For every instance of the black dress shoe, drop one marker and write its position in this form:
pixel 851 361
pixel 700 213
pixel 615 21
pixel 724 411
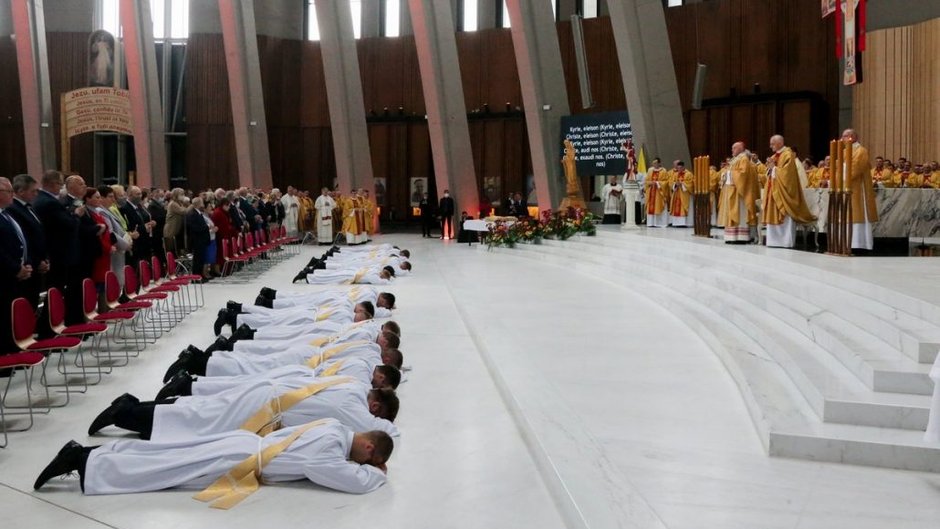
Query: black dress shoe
pixel 219 344
pixel 301 276
pixel 269 293
pixel 180 364
pixel 69 459
pixel 106 418
pixel 262 301
pixel 243 332
pixel 234 307
pixel 181 385
pixel 220 321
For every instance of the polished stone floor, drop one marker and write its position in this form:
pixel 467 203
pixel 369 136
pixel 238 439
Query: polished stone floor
pixel 538 398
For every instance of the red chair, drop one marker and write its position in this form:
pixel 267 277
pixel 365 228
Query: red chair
pixel 23 361
pixel 157 318
pixel 24 327
pixel 56 310
pixel 230 259
pixel 186 283
pixel 118 319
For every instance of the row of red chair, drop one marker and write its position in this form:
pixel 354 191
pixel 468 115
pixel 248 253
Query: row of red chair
pixel 253 252
pixel 154 303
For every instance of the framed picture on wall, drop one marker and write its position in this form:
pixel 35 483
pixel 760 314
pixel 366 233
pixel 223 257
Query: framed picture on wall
pixel 419 186
pixel 379 191
pixel 530 196
pixel 493 189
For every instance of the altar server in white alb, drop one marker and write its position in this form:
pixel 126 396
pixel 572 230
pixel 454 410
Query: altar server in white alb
pixel 324 206
pixel 256 406
pixel 612 195
pixel 324 452
pixel 864 208
pixel 784 203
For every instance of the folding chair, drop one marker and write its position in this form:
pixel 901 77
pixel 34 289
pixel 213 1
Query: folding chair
pixel 56 309
pixel 172 273
pixel 24 326
pixel 117 318
pixel 9 364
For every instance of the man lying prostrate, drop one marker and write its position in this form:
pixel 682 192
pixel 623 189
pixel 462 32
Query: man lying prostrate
pixel 352 276
pixel 364 370
pixel 324 452
pixel 280 338
pixel 384 302
pixel 259 407
pixel 339 311
pixel 226 363
pixel 402 268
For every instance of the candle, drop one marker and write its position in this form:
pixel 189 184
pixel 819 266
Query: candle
pixel 848 165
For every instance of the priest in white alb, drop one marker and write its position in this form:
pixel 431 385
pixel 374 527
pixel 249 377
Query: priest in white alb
pixel 612 195
pixel 291 211
pixel 324 207
pixel 324 452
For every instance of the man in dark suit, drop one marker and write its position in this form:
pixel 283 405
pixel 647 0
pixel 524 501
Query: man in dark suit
pixel 252 217
pixel 239 221
pixel 197 230
pixel 14 263
pixel 157 212
pixel 25 189
pixel 427 215
pixel 66 235
pixel 138 219
pixel 446 209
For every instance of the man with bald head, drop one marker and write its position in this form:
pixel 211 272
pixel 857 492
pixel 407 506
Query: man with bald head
pixel 864 211
pixel 81 249
pixel 739 194
pixel 784 203
pixel 139 221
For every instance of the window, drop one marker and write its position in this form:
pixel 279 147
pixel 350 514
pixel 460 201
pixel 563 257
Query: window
pixel 313 29
pixel 505 17
pixel 356 7
pixel 469 15
pixel 109 18
pixel 589 8
pixel 674 3
pixel 392 18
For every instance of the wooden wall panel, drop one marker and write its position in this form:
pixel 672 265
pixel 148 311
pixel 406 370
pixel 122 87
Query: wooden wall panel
pixel 67 71
pixel 12 146
pixel 785 47
pixel 897 107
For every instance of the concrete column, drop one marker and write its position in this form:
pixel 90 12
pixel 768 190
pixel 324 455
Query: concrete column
pixel 406 28
pixel 372 19
pixel 344 96
pixel 436 42
pixel 70 15
pixel 143 83
pixel 544 96
pixel 486 13
pixel 244 80
pixel 649 79
pixel 280 18
pixel 33 69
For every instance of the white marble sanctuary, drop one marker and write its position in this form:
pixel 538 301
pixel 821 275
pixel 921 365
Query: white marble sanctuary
pixel 901 212
pixel 629 380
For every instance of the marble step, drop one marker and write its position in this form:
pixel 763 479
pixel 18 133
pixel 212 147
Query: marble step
pixel 872 361
pixel 831 390
pixel 784 422
pixel 858 445
pixel 919 339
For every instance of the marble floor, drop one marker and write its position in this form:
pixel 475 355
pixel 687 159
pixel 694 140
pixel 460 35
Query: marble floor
pixel 538 398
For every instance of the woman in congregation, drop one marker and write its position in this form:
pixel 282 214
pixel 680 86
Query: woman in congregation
pixel 102 264
pixel 223 223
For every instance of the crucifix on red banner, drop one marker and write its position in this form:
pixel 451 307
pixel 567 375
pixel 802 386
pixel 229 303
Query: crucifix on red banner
pixel 850 22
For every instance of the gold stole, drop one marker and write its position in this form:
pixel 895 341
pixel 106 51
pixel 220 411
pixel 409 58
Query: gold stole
pixel 316 360
pixel 323 315
pixel 242 481
pixel 354 293
pixel 320 342
pixel 357 277
pixel 266 420
pixel 333 369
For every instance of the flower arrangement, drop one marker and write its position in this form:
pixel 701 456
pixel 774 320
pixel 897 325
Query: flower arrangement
pixel 559 225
